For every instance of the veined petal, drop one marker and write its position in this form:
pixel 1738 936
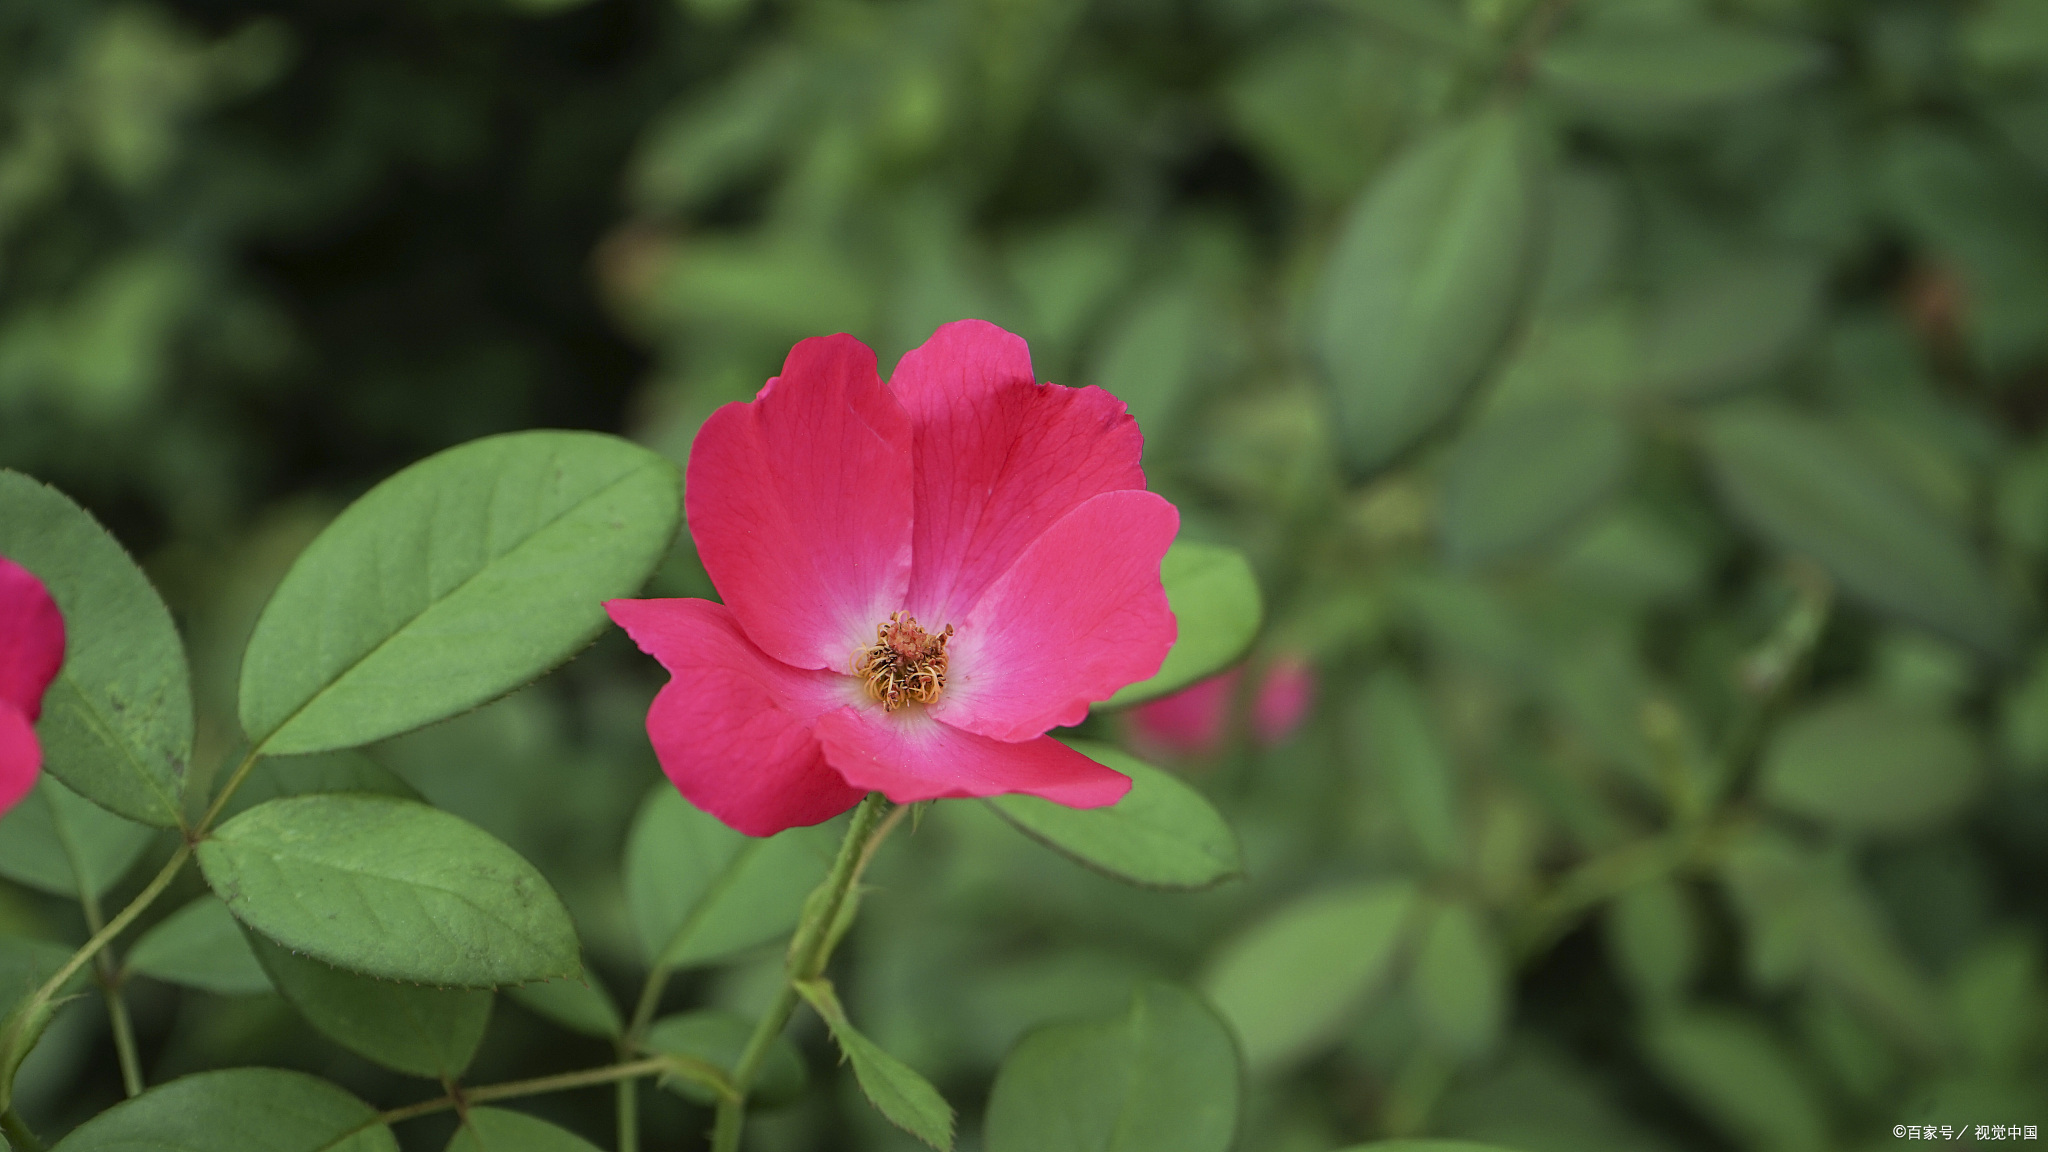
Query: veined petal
pixel 909 756
pixel 1000 458
pixel 732 728
pixel 800 504
pixel 31 640
pixel 1079 615
pixel 20 756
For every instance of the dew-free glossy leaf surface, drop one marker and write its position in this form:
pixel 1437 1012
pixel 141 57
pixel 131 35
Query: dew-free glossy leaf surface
pixel 1811 489
pixel 898 1092
pixel 63 844
pixel 1161 1076
pixel 1162 834
pixel 1867 764
pixel 499 1130
pixel 430 1032
pixel 1216 605
pixel 718 1038
pixel 1289 983
pixel 236 1110
pixel 200 946
pixel 700 892
pixel 117 722
pixel 578 1004
pixel 454 582
pixel 392 889
pixel 1425 284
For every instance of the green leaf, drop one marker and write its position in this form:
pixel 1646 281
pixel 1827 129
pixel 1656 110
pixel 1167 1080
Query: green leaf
pixel 1161 1076
pixel 1872 765
pixel 578 1004
pixel 430 1032
pixel 907 1099
pixel 1290 983
pixel 1402 744
pixel 26 962
pixel 1162 834
pixel 200 946
pixel 1729 326
pixel 1740 1077
pixel 1215 601
pixel 1653 935
pixel 20 1029
pixel 117 722
pixel 718 1038
pixel 392 889
pixel 63 844
pixel 345 771
pixel 497 1130
pixel 236 1110
pixel 1459 982
pixel 700 892
pixel 1519 478
pixel 1426 282
pixel 1809 488
pixel 452 583
pixel 1671 67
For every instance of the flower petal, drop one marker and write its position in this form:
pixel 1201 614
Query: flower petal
pixel 1190 721
pixel 732 728
pixel 1000 458
pixel 799 501
pixel 1081 614
pixel 20 757
pixel 31 640
pixel 909 756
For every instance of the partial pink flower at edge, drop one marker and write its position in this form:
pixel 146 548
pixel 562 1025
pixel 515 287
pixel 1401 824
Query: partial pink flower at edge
pixel 31 652
pixel 919 580
pixel 1191 722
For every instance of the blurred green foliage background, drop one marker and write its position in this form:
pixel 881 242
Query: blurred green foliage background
pixel 1678 774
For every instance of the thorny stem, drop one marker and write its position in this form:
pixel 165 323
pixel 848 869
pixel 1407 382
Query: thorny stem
pixel 809 951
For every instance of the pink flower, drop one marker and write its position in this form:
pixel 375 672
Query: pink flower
pixel 31 652
pixel 1190 722
pixel 919 580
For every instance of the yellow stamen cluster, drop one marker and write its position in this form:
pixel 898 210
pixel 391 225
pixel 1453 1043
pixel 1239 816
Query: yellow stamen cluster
pixel 905 663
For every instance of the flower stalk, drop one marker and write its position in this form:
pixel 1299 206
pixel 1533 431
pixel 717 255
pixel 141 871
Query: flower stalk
pixel 810 949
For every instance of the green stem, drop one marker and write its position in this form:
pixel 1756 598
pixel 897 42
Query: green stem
pixel 810 949
pixel 28 1009
pixel 629 1112
pixel 17 1133
pixel 227 791
pixel 562 1082
pixel 110 981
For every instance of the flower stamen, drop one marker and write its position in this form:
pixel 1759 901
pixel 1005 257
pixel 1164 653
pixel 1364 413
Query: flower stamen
pixel 904 664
